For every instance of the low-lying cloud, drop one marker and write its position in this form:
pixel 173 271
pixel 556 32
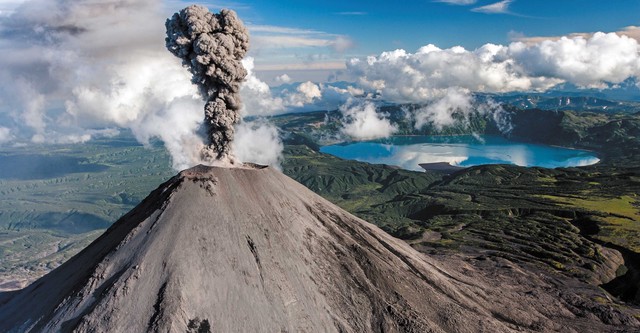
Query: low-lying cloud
pixel 441 111
pixel 455 108
pixel 362 121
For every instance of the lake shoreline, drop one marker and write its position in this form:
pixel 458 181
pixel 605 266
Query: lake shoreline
pixel 447 152
pixel 445 167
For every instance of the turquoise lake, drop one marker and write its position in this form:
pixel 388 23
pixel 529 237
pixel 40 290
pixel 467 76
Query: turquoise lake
pixel 408 152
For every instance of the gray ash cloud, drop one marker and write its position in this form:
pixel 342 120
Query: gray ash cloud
pixel 212 46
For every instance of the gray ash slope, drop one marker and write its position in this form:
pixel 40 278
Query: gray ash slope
pixel 251 250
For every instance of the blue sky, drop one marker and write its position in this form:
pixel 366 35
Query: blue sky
pixel 72 70
pixel 371 27
pixel 313 39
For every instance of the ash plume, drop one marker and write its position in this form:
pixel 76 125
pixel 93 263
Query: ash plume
pixel 212 47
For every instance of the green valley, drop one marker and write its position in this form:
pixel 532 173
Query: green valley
pixel 567 221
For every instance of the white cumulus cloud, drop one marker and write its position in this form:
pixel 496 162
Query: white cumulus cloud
pixel 428 73
pixel 588 62
pixel 362 121
pixel 5 135
pixel 259 100
pixel 284 78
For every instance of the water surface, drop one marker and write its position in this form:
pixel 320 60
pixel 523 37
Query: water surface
pixel 408 152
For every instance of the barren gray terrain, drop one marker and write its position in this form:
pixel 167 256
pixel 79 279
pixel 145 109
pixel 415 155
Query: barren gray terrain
pixel 251 250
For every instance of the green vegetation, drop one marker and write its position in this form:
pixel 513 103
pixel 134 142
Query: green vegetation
pixel 56 199
pixel 617 218
pixel 356 186
pixel 556 218
pixel 553 217
pixel 502 209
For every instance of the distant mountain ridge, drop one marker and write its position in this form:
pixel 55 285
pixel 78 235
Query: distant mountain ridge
pixel 566 102
pixel 623 97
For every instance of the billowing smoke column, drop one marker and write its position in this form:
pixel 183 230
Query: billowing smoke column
pixel 212 47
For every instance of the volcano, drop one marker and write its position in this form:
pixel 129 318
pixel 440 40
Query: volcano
pixel 251 250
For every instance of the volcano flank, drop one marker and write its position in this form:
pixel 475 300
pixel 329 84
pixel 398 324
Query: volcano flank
pixel 251 250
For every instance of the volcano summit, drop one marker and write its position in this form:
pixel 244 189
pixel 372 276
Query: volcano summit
pixel 250 250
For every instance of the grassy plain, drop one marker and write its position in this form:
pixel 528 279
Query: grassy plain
pixel 55 199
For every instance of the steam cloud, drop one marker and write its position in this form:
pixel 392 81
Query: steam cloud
pixel 212 47
pixel 73 70
pixel 80 69
pixel 259 142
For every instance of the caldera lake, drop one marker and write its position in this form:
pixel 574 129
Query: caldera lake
pixel 408 152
